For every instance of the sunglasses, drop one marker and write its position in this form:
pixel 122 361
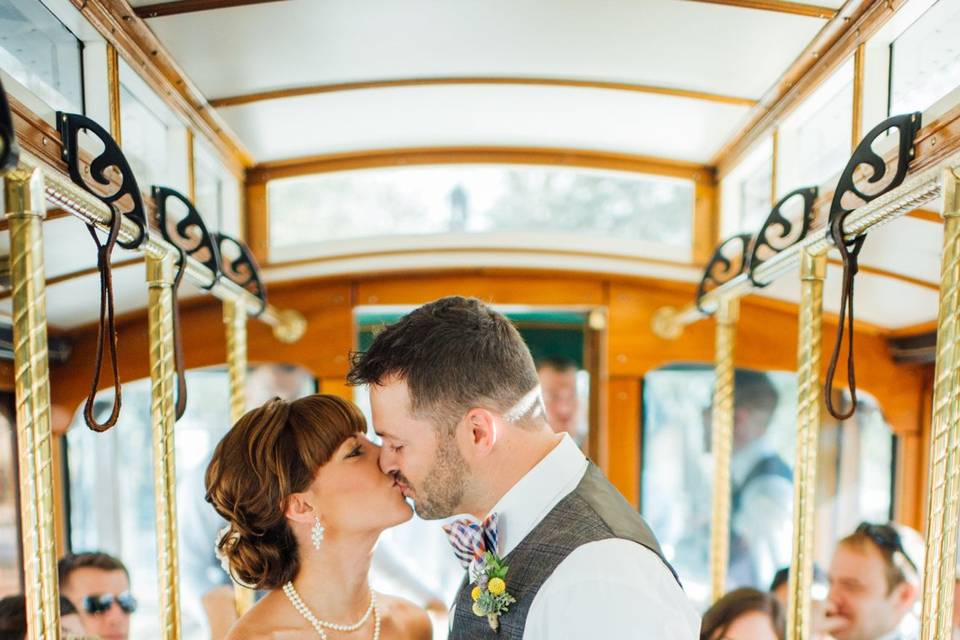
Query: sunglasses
pixel 886 537
pixel 97 604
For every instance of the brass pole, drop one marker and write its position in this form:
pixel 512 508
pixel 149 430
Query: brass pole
pixel 235 323
pixel 944 475
pixel 113 91
pixel 162 415
pixel 813 270
pixel 26 207
pixel 722 437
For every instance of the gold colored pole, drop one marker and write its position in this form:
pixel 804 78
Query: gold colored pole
pixel 113 91
pixel 813 271
pixel 25 200
pixel 722 435
pixel 944 476
pixel 162 414
pixel 235 323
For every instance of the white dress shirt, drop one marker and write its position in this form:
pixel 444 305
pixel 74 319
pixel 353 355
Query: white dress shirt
pixel 607 589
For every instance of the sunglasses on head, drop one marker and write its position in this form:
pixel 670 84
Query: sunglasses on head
pixel 97 604
pixel 886 537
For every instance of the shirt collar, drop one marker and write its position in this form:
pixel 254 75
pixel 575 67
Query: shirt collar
pixel 531 499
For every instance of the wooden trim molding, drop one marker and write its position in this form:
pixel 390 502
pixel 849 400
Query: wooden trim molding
pixel 858 71
pixel 853 24
pixel 119 25
pixel 375 158
pixel 113 93
pixel 177 7
pixel 279 94
pixel 779 6
pixel 926 214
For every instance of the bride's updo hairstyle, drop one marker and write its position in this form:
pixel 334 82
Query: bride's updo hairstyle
pixel 270 453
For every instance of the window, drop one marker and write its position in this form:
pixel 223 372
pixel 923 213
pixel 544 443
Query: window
pixel 549 202
pixel 854 468
pixel 111 486
pixel 10 568
pixel 925 59
pixel 745 192
pixel 815 140
pixel 41 54
pixel 153 140
pixel 216 191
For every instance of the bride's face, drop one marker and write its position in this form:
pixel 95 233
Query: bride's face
pixel 352 494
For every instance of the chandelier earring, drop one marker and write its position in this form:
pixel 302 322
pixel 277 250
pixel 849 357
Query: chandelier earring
pixel 316 533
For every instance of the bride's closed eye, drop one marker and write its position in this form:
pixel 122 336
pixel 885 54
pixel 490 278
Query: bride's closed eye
pixel 356 451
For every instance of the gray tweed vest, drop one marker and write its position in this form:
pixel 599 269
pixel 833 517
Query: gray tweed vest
pixel 594 511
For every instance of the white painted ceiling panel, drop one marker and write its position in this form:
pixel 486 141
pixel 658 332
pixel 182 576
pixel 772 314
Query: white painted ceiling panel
pixel 907 246
pixel 645 124
pixel 686 45
pixel 880 300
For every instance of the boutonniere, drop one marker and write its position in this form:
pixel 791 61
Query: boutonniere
pixel 488 575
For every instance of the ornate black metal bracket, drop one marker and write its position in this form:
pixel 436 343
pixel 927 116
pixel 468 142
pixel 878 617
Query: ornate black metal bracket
pixel 9 149
pixel 189 232
pixel 241 270
pixel 69 125
pixel 729 260
pixel 780 232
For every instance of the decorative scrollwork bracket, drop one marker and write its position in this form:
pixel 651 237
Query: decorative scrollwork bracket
pixel 9 149
pixel 846 198
pixel 780 232
pixel 189 232
pixel 124 199
pixel 729 260
pixel 240 267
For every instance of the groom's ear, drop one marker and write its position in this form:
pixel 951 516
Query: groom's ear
pixel 298 509
pixel 482 428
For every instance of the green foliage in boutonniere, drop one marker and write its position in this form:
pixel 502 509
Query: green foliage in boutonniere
pixel 490 597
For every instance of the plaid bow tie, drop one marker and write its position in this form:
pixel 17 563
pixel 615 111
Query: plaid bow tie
pixel 470 539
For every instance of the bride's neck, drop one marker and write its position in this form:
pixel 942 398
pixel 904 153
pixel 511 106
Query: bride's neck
pixel 332 581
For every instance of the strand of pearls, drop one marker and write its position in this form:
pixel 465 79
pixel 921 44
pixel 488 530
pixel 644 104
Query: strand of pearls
pixel 319 625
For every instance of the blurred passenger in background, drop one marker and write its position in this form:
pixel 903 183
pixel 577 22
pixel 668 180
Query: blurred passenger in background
pixel 13 619
pixel 558 382
pixel 744 614
pixel 98 585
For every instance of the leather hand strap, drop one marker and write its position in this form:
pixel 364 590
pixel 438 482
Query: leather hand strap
pixel 181 406
pixel 106 330
pixel 849 254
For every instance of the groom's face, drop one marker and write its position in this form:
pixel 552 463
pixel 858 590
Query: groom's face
pixel 425 461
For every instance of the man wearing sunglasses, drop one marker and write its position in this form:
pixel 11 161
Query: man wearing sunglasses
pixel 98 585
pixel 874 584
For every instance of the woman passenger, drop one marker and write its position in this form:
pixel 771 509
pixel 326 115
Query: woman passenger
pixel 744 614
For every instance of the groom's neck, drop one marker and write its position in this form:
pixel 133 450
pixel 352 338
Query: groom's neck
pixel 515 455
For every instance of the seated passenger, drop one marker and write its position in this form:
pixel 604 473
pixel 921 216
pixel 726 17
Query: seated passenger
pixel 744 614
pixel 98 585
pixel 13 619
pixel 874 583
pixel 781 583
pixel 558 383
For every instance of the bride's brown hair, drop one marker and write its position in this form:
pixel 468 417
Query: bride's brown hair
pixel 271 452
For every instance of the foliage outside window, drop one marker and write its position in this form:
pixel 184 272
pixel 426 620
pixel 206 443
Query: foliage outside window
pixel 925 59
pixel 815 140
pixel 112 495
pixel 480 199
pixel 41 54
pixel 855 463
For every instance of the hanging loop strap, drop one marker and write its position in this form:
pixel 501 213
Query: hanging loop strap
pixel 849 253
pixel 106 329
pixel 181 405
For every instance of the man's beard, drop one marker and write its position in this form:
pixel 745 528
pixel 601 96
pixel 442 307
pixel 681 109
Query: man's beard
pixel 442 490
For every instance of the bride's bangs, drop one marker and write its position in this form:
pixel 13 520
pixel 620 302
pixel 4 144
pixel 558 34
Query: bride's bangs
pixel 321 424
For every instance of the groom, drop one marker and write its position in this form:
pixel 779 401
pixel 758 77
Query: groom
pixel 455 397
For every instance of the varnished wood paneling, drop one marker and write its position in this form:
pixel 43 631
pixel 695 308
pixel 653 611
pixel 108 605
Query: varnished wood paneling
pixel 177 7
pixel 779 6
pixel 623 467
pixel 337 386
pixel 257 221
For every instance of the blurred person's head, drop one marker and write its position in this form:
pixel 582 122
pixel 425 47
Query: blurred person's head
pixel 873 582
pixel 558 383
pixel 273 380
pixel 13 618
pixel 780 584
pixel 98 585
pixel 755 400
pixel 744 614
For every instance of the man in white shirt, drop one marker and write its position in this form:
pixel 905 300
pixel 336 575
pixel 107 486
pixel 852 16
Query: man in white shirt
pixel 455 397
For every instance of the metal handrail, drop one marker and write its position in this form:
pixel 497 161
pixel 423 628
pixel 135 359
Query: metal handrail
pixel 288 325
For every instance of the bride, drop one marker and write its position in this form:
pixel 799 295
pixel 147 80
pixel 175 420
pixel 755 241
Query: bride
pixel 302 490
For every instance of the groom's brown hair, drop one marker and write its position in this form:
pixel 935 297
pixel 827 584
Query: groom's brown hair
pixel 454 353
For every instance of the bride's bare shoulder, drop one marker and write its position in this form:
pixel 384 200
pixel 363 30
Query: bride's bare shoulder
pixel 404 620
pixel 267 620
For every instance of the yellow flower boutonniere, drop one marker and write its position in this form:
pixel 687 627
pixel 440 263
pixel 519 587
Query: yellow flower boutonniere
pixel 490 598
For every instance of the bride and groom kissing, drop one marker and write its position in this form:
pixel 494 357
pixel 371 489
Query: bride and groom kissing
pixel 550 549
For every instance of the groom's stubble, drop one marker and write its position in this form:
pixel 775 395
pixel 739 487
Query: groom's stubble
pixel 444 486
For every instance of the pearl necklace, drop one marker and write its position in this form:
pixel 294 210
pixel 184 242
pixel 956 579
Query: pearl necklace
pixel 319 625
